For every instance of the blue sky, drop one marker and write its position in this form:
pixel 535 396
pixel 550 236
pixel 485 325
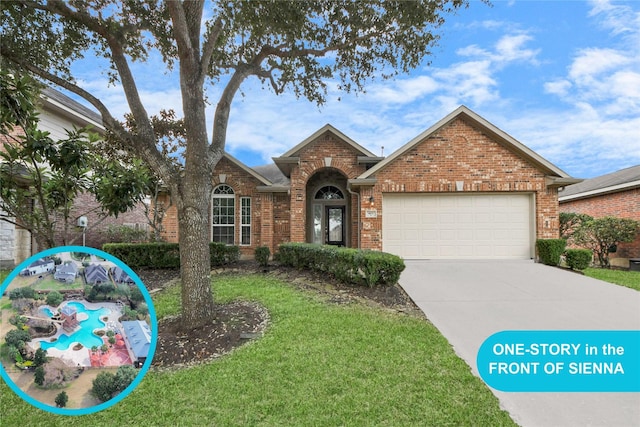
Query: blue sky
pixel 562 77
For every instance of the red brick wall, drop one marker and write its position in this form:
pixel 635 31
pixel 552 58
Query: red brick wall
pixel 281 219
pixel 460 152
pixel 244 185
pixel 86 205
pixel 624 204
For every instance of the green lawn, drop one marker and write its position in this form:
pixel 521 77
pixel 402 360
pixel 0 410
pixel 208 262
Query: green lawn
pixel 318 365
pixel 630 279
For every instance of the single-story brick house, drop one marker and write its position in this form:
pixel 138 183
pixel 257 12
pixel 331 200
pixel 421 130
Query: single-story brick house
pixel 614 194
pixel 462 189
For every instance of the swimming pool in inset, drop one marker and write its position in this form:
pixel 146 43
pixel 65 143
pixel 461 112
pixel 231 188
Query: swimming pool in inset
pixel 47 311
pixel 84 335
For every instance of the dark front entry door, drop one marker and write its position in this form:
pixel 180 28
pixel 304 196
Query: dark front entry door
pixel 335 225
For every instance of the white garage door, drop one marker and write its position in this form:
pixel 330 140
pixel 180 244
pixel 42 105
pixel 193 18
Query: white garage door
pixel 454 226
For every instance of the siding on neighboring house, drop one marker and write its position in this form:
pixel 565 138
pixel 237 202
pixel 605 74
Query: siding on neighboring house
pixel 59 113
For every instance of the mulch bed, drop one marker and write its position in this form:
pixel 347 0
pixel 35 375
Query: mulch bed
pixel 238 322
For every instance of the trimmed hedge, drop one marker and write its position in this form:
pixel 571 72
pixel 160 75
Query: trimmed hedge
pixel 351 266
pixel 550 250
pixel 166 255
pixel 578 259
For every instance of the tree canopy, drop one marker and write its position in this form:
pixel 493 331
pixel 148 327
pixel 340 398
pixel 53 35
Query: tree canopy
pixel 288 45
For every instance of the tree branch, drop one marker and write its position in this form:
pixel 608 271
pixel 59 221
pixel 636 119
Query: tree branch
pixel 209 47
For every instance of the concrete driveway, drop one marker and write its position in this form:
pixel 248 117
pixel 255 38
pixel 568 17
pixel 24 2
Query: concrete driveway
pixel 470 300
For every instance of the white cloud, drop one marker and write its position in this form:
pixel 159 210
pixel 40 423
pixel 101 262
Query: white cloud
pixel 558 87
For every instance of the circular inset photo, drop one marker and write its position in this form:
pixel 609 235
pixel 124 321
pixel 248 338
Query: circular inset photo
pixel 79 330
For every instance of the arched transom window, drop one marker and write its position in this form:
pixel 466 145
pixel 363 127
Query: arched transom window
pixel 329 192
pixel 223 214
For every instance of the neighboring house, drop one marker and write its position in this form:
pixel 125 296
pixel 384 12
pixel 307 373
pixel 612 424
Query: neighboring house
pixel 59 113
pixel 138 336
pixel 463 189
pixel 38 267
pixel 119 276
pixel 614 194
pixel 66 272
pixel 95 274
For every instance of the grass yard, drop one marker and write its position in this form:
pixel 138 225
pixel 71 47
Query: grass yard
pixel 48 283
pixel 630 279
pixel 319 364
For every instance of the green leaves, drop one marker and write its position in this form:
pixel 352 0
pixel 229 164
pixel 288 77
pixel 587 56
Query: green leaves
pixel 40 178
pixel 601 234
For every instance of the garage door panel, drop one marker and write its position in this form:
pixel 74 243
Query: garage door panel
pixel 458 226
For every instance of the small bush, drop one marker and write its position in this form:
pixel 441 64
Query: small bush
pixel 262 254
pixel 222 254
pixel 578 259
pixel 550 250
pixel 351 266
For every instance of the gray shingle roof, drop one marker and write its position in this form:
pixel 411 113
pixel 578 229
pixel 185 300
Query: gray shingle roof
pixel 624 178
pixel 71 104
pixel 273 174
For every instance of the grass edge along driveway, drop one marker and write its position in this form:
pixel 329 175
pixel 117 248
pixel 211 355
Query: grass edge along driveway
pixel 318 364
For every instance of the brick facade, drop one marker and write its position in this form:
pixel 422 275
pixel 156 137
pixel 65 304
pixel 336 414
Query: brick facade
pixel 460 152
pixel 464 148
pixel 622 204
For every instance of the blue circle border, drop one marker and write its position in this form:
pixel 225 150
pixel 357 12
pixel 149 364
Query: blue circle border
pixel 152 315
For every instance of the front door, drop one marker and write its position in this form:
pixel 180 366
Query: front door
pixel 334 226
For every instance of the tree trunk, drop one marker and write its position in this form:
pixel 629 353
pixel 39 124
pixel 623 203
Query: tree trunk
pixel 195 266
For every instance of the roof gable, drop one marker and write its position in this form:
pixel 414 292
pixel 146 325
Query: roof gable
pixel 327 128
pixel 484 126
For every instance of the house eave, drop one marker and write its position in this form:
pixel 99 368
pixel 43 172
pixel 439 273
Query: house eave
pixel 601 191
pixel 368 160
pixel 273 188
pixel 286 164
pixel 58 107
pixel 557 181
pixel 361 182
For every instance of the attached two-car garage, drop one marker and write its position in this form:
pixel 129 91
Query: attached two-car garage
pixel 458 226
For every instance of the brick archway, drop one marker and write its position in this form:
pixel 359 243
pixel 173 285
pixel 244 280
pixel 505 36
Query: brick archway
pixel 328 208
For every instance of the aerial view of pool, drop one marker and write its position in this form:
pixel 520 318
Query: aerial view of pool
pixel 84 335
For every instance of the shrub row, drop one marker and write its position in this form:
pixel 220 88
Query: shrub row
pixel 351 266
pixel 166 255
pixel 550 251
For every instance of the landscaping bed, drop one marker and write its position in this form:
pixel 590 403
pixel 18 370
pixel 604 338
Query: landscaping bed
pixel 238 322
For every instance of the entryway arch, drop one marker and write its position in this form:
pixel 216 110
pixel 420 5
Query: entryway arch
pixel 328 209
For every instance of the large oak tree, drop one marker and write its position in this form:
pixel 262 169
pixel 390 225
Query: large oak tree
pixel 288 45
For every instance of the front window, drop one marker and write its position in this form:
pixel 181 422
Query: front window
pixel 329 192
pixel 245 221
pixel 223 213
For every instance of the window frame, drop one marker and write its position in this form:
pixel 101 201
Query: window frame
pixel 227 195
